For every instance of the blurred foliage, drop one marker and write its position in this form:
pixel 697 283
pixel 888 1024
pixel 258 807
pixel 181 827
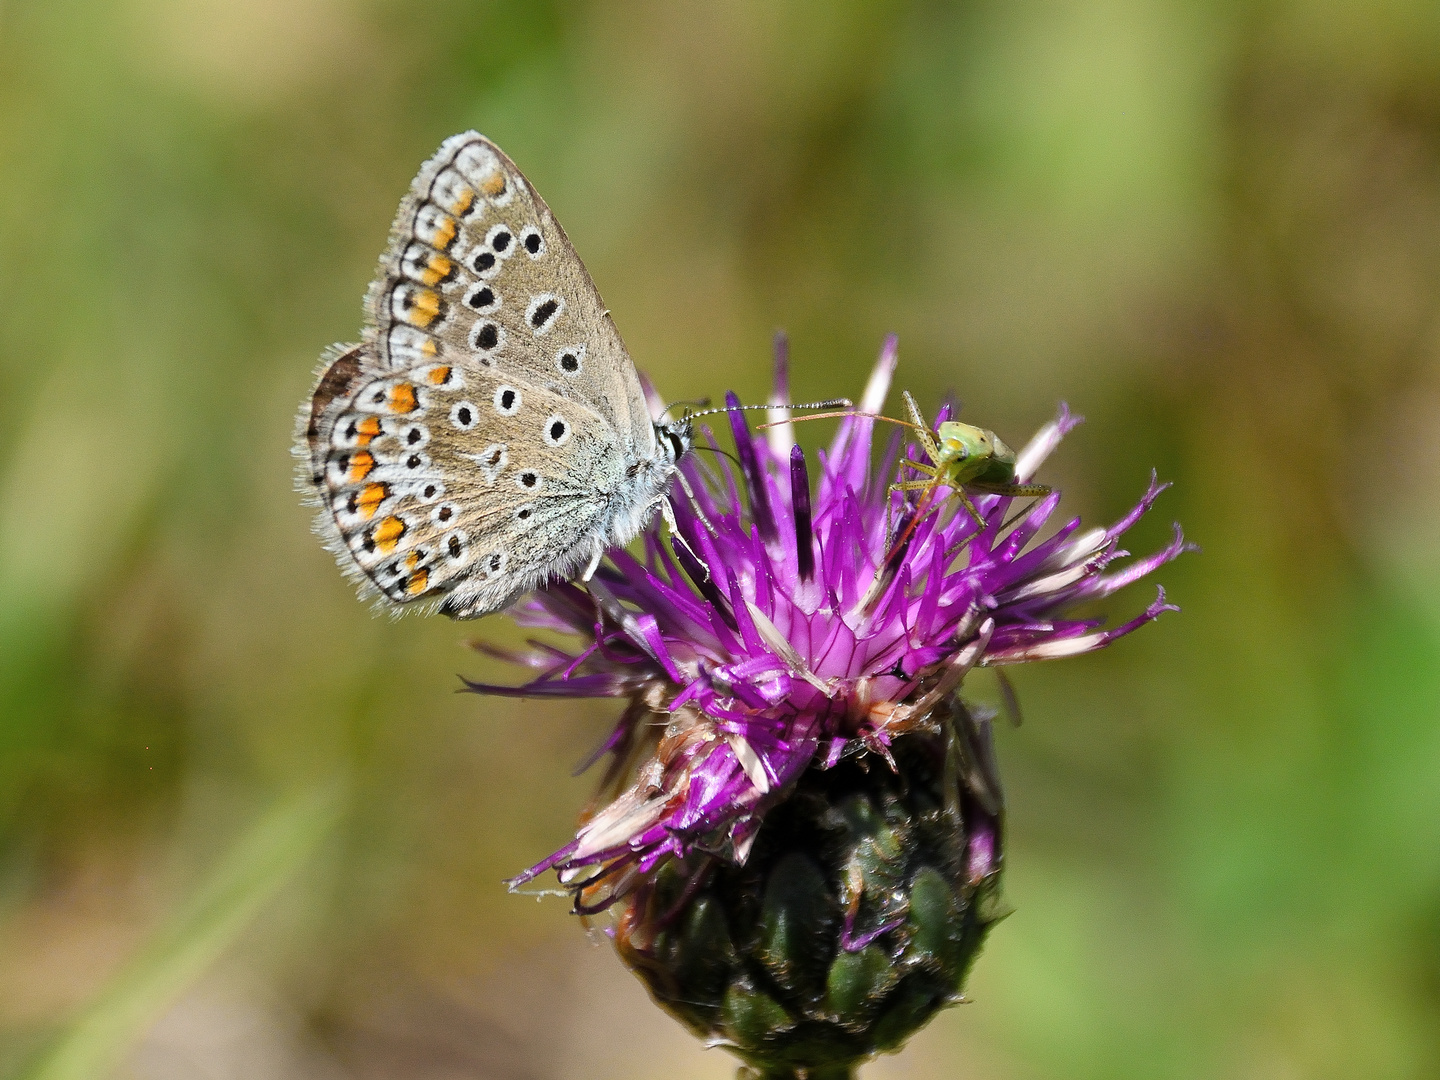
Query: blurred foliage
pixel 255 868
pixel 1214 229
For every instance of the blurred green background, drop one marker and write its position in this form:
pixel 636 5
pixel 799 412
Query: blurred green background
pixel 248 830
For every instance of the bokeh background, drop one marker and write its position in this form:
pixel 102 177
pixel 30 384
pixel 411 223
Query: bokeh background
pixel 247 829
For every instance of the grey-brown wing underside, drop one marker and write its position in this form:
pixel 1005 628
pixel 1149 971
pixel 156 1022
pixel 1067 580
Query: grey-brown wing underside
pixel 478 269
pixel 453 482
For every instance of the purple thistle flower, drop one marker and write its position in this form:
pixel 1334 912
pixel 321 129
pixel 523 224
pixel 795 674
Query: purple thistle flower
pixel 781 634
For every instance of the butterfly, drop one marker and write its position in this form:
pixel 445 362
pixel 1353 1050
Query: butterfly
pixel 489 433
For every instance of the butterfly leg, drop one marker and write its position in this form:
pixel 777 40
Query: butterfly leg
pixel 694 505
pixel 667 511
pixel 594 564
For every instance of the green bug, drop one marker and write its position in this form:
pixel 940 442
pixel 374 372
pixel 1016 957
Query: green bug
pixel 964 458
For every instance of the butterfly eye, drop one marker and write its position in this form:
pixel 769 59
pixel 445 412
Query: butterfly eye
pixel 464 415
pixel 557 430
pixel 507 401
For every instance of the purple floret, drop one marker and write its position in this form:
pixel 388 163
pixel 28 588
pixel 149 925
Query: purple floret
pixel 784 635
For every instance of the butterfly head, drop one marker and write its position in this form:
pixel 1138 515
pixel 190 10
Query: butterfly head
pixel 673 439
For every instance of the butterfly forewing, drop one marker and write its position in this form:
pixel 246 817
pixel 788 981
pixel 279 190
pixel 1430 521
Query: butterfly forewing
pixel 478 267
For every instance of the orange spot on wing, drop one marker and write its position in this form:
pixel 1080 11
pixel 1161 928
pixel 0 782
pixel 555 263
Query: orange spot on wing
pixel 370 498
pixel 461 206
pixel 360 465
pixel 366 430
pixel 424 308
pixel 444 233
pixel 437 376
pixel 493 185
pixel 402 398
pixel 415 584
pixel 437 269
pixel 388 533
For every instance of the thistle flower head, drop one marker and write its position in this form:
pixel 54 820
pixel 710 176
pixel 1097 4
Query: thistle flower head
pixel 778 632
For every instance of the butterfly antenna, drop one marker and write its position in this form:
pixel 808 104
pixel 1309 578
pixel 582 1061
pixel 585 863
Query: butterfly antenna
pixel 832 415
pixel 840 403
pixel 697 402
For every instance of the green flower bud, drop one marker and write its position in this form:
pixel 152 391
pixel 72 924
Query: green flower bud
pixel 855 918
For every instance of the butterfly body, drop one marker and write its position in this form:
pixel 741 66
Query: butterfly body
pixel 489 434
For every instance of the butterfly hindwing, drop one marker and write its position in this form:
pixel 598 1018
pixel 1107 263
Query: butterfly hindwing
pixel 452 477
